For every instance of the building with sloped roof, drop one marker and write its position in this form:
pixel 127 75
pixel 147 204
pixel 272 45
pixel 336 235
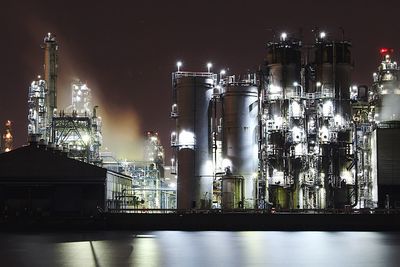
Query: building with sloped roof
pixel 39 179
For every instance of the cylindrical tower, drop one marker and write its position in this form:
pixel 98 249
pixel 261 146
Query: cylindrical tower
pixel 386 90
pixel 283 119
pixel 192 94
pixel 333 72
pixel 50 74
pixel 37 109
pixel 333 68
pixel 240 134
pixel 384 103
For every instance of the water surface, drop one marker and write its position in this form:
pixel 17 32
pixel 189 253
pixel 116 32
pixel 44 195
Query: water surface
pixel 206 248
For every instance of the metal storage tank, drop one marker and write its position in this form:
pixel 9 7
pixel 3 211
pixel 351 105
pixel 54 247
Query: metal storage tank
pixel 232 192
pixel 192 92
pixel 240 142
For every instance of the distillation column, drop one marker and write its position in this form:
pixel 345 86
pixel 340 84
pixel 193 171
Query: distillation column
pixel 240 142
pixel 334 144
pixel 283 150
pixel 50 76
pixel 192 94
pixel 37 109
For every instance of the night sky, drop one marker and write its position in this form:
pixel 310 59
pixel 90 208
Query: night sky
pixel 126 50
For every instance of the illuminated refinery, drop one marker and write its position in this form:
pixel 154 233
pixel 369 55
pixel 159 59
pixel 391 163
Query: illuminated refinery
pixel 297 134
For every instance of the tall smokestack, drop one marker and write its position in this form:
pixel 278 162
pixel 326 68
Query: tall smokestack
pixel 50 73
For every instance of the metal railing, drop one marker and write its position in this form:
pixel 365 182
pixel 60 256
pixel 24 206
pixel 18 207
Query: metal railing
pixel 257 211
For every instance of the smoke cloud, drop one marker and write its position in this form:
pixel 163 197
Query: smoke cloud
pixel 390 108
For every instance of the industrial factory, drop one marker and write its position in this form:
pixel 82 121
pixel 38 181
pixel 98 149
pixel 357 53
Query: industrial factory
pixel 296 134
pixel 64 144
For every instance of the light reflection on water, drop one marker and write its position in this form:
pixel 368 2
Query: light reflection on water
pixel 208 248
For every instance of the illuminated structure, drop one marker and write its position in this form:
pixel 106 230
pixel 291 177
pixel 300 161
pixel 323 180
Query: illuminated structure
pixel 297 136
pixel 79 130
pixel 42 96
pixel 381 142
pixel 192 92
pixel 50 67
pixel 7 137
pixel 153 150
pixel 153 186
pixel 239 116
pixel 306 149
pixel 37 109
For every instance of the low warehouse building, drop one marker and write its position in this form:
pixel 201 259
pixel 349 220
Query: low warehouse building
pixel 37 180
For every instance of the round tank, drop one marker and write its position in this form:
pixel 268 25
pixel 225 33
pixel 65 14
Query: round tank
pixel 387 89
pixel 192 93
pixel 239 142
pixel 284 65
pixel 232 192
pixel 333 72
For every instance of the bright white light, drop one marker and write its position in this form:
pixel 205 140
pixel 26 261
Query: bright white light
pixel 172 185
pixel 324 133
pixel 296 109
pixel 297 134
pixel 347 175
pixel 283 36
pixel 278 177
pixel 186 138
pixel 85 138
pixel 278 121
pixel 295 84
pixel 209 65
pixel 339 120
pixel 273 89
pixel 318 84
pixel 226 163
pixel 322 35
pixel 222 72
pixel 327 109
pixel 179 65
pixel 207 166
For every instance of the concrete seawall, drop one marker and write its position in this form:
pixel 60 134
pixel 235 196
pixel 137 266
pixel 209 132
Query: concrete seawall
pixel 241 221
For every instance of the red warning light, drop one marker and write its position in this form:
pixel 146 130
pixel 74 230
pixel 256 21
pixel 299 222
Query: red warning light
pixel 386 50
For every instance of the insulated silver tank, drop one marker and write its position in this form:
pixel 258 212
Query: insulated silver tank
pixel 192 95
pixel 239 142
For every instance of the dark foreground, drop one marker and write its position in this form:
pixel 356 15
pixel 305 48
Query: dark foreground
pixel 210 221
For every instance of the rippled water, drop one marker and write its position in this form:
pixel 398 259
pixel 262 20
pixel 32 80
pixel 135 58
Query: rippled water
pixel 208 248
